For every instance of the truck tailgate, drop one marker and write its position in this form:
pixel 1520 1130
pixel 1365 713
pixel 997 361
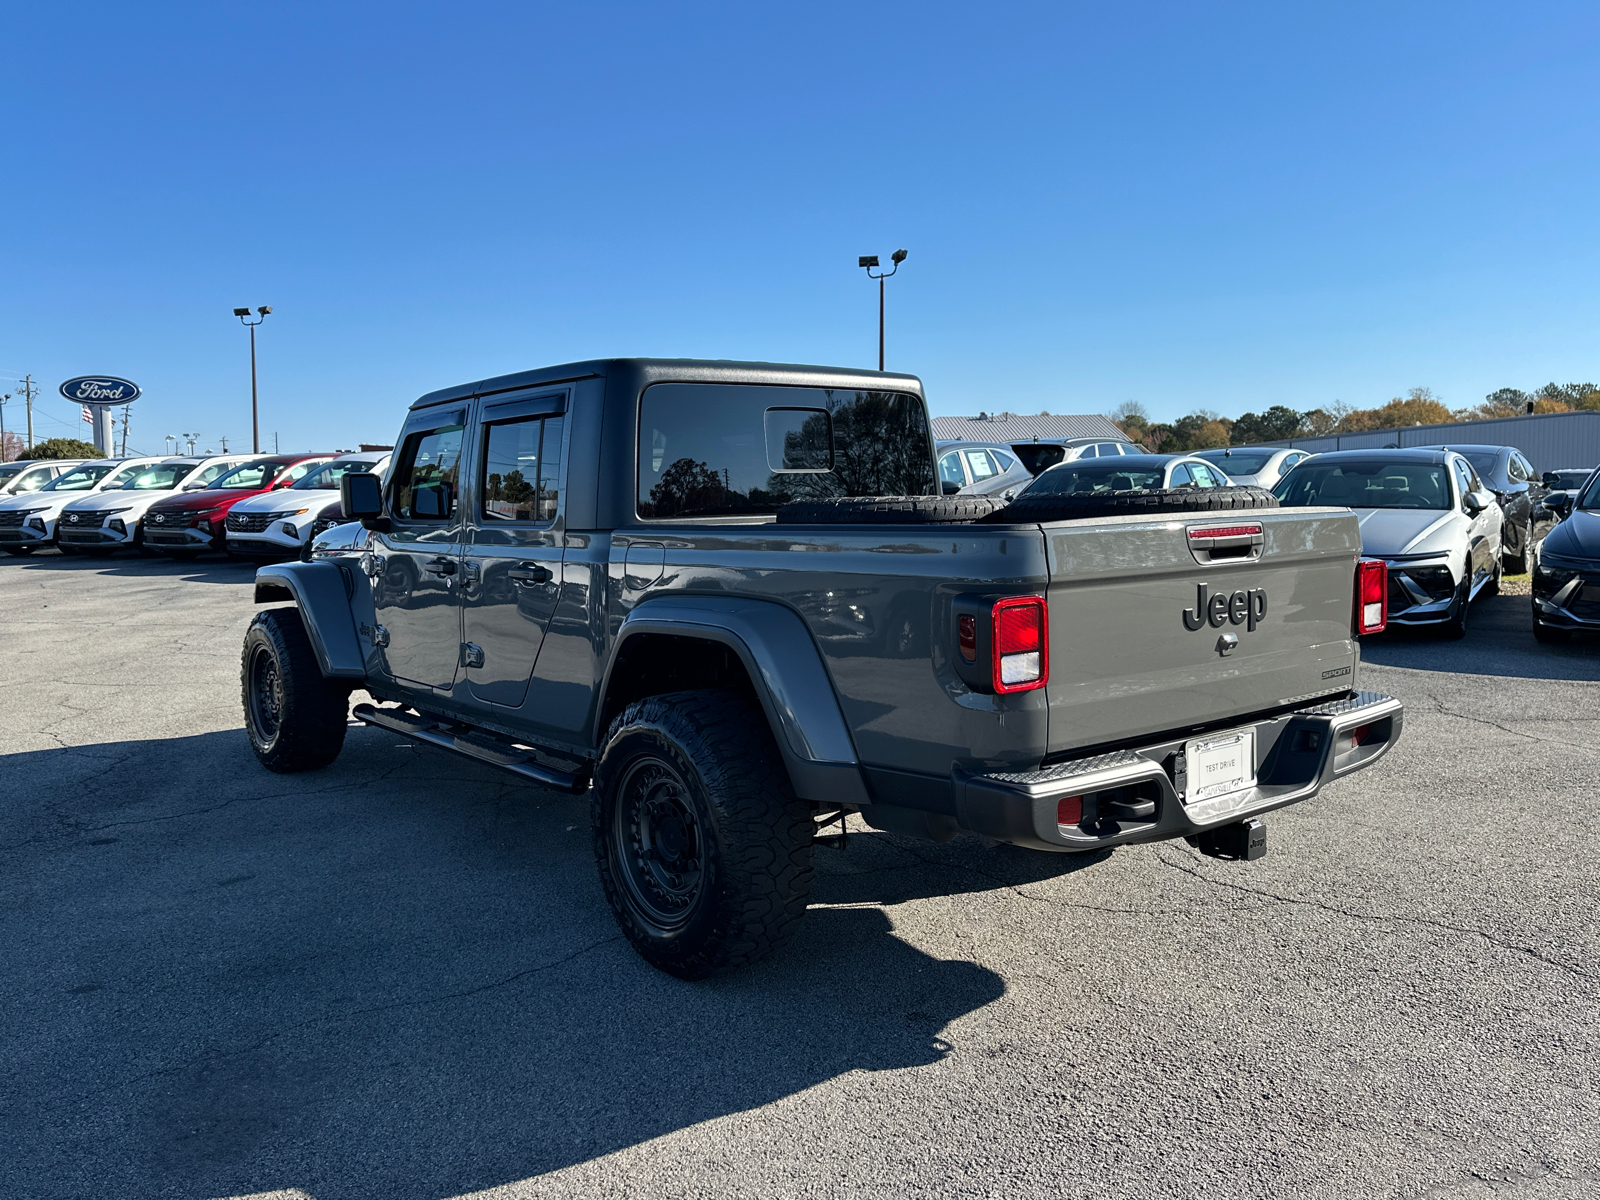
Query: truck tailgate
pixel 1131 656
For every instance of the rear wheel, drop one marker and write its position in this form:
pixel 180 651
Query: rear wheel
pixel 1517 564
pixel 704 851
pixel 294 715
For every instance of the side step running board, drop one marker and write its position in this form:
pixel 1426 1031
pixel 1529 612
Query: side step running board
pixel 424 729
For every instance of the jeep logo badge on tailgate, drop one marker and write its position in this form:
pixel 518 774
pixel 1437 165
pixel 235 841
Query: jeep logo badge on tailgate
pixel 1242 608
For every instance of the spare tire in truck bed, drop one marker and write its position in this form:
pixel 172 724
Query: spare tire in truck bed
pixel 1074 506
pixel 890 510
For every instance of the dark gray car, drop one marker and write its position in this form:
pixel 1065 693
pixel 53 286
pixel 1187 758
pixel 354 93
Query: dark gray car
pixel 725 601
pixel 1520 491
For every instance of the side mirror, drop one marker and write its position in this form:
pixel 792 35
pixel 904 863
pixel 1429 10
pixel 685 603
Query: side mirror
pixel 1476 502
pixel 1551 479
pixel 1560 503
pixel 361 498
pixel 950 489
pixel 112 487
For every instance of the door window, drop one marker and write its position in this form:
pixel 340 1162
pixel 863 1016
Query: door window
pixel 1181 476
pixel 1465 480
pixel 951 477
pixel 522 470
pixel 427 480
pixel 980 464
pixel 207 474
pixel 1204 477
pixel 299 471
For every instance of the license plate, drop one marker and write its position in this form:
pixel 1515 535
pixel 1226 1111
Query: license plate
pixel 1220 766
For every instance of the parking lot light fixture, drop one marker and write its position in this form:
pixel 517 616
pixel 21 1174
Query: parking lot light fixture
pixel 868 262
pixel 244 319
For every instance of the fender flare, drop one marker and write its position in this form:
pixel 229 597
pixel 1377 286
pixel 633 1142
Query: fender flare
pixel 323 592
pixel 787 672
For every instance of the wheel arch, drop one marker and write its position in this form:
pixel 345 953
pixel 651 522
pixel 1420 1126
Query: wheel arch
pixel 323 592
pixel 682 642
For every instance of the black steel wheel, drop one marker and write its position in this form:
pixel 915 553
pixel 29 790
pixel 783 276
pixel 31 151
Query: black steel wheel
pixel 703 849
pixel 294 716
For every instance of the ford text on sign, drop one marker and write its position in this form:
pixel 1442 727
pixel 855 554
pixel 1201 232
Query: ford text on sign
pixel 100 389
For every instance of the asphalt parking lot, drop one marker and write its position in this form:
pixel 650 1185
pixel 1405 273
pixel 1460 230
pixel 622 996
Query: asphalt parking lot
pixel 397 978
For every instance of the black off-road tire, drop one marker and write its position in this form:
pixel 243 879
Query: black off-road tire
pixel 1519 564
pixel 1037 508
pixel 890 510
pixel 704 850
pixel 294 715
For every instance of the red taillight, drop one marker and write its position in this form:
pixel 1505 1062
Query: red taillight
pixel 1224 531
pixel 1021 644
pixel 1372 595
pixel 1069 810
pixel 967 636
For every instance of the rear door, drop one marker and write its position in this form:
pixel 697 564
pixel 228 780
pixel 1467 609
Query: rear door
pixel 1155 627
pixel 512 569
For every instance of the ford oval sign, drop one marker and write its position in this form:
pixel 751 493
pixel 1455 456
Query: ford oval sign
pixel 100 389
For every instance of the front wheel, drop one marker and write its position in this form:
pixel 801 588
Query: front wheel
pixel 1456 627
pixel 704 850
pixel 294 715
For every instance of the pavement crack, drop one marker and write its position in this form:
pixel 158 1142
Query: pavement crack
pixel 1392 919
pixel 1440 707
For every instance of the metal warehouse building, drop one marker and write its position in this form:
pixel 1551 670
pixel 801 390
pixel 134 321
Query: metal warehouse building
pixel 1012 427
pixel 1550 441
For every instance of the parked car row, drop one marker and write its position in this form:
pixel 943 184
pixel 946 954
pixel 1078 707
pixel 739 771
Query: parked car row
pixel 257 506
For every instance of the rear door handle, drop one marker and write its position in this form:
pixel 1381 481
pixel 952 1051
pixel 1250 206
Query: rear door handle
pixel 440 566
pixel 529 573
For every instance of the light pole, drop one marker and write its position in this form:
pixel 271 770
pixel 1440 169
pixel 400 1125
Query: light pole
pixel 190 437
pixel 170 442
pixel 869 261
pixel 244 319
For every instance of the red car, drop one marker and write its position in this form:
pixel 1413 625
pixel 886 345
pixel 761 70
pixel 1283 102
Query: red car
pixel 191 523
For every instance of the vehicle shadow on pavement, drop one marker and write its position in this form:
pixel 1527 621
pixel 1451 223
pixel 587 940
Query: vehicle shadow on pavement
pixel 1499 641
pixel 210 569
pixel 395 977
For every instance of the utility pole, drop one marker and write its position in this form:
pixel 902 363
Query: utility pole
pixel 29 391
pixel 3 400
pixel 224 443
pixel 126 409
pixel 275 441
pixel 255 423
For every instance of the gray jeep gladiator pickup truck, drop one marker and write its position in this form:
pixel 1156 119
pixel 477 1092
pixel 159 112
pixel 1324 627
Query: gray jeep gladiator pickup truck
pixel 727 602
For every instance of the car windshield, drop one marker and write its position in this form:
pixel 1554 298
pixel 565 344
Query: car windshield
pixel 1095 475
pixel 1248 463
pixel 80 480
pixel 11 470
pixel 250 476
pixel 1570 481
pixel 1371 483
pixel 328 475
pixel 1591 496
pixel 125 476
pixel 162 478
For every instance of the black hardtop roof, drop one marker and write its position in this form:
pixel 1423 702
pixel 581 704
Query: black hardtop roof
pixel 1409 454
pixel 657 370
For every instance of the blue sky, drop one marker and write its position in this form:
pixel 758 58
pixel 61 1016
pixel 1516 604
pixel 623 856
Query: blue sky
pixel 1225 206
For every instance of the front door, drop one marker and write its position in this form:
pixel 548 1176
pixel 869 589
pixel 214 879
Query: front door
pixel 512 569
pixel 416 565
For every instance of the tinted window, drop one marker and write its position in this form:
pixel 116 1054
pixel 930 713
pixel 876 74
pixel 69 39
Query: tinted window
pixel 714 450
pixel 1369 484
pixel 1464 479
pixel 160 478
pixel 80 480
pixel 329 474
pixel 1005 460
pixel 1204 476
pixel 1181 476
pixel 1591 497
pixel 1089 475
pixel 1483 460
pixel 522 470
pixel 1241 464
pixel 1570 480
pixel 427 477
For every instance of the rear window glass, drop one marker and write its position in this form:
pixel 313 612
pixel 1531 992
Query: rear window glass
pixel 1366 485
pixel 1240 464
pixel 729 450
pixel 1096 475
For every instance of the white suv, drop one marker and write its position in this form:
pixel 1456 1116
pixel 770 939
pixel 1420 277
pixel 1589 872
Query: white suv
pixel 28 522
pixel 26 476
pixel 281 524
pixel 102 523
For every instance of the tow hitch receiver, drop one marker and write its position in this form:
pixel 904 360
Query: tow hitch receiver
pixel 1243 840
